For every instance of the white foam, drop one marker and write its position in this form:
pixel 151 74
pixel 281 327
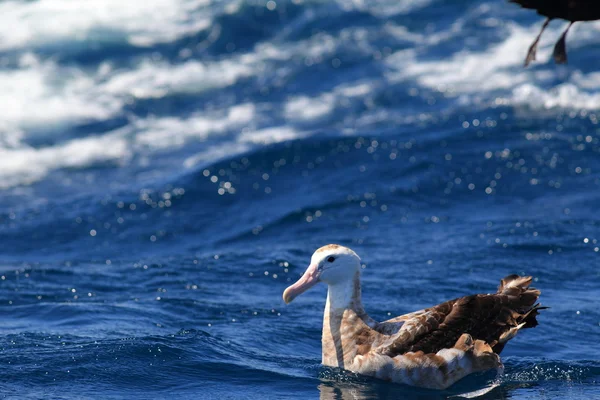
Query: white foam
pixel 156 79
pixel 304 108
pixel 57 95
pixel 466 72
pixel 26 165
pixel 161 133
pixel 384 8
pixel 43 96
pixel 271 135
pixel 566 95
pixel 49 95
pixel 356 89
pixel 244 142
pixel 44 22
pixel 46 94
pixel 496 75
pixel 42 93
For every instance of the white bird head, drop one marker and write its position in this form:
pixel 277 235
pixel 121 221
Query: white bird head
pixel 332 264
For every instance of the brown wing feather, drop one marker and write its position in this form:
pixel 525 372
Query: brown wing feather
pixel 487 317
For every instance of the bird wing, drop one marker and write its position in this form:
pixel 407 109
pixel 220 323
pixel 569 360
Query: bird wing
pixel 492 318
pixel 433 370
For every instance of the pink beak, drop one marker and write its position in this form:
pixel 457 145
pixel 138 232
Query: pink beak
pixel 308 280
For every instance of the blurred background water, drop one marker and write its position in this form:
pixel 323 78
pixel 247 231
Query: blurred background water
pixel 167 168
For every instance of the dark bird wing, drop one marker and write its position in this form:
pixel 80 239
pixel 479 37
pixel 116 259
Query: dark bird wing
pixel 570 10
pixel 550 9
pixel 493 318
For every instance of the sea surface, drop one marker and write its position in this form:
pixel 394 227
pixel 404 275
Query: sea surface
pixel 167 168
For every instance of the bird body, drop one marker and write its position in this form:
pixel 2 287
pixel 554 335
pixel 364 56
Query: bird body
pixel 569 10
pixel 431 348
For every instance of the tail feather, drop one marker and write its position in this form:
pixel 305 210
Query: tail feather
pixel 522 310
pixel 513 283
pixel 529 319
pixel 518 287
pixel 511 333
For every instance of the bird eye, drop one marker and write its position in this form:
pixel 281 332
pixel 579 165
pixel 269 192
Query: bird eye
pixel 331 259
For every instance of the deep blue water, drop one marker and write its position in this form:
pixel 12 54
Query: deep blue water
pixel 167 168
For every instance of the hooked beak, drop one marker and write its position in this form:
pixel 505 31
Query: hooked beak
pixel 308 280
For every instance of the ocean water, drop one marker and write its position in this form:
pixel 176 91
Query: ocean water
pixel 167 168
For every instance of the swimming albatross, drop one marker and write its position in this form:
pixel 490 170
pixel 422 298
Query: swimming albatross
pixel 431 348
pixel 570 10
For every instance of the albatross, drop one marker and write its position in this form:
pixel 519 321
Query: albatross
pixel 431 348
pixel 570 10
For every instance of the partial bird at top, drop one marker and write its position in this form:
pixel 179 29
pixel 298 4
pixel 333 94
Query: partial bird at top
pixel 569 10
pixel 431 348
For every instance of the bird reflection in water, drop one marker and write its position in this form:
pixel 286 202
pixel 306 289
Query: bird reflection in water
pixel 346 387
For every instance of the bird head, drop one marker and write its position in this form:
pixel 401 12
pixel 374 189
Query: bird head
pixel 332 264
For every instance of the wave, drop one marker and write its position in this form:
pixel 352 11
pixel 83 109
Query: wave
pixel 154 21
pixel 109 112
pixel 493 76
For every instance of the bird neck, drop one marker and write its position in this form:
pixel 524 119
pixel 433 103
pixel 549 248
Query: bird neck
pixel 345 295
pixel 343 321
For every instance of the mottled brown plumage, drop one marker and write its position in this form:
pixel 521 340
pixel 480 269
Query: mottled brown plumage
pixel 569 10
pixel 485 317
pixel 431 348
